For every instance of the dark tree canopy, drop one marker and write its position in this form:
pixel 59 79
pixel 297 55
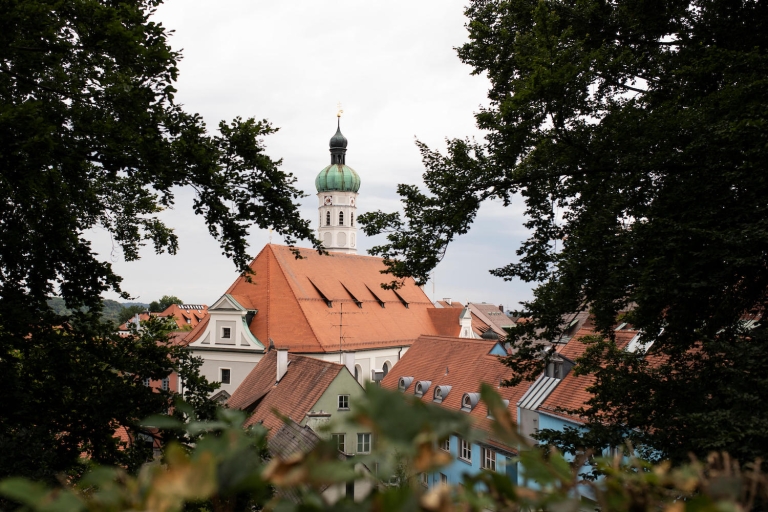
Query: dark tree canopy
pixel 90 136
pixel 636 133
pixel 160 305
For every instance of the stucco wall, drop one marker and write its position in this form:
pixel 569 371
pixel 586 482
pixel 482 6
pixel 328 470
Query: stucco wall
pixel 343 384
pixel 459 467
pixel 239 362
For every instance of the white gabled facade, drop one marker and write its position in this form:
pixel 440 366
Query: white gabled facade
pixel 228 348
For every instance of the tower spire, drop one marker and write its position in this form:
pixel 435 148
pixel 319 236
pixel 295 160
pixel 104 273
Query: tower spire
pixel 337 187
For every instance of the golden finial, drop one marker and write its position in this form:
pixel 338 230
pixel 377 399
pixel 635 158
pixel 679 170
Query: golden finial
pixel 339 111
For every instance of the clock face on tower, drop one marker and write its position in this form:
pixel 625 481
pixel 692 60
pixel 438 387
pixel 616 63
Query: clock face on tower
pixel 352 201
pixel 328 200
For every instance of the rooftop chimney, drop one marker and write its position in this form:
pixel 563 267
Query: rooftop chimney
pixel 501 307
pixel 282 362
pixel 447 300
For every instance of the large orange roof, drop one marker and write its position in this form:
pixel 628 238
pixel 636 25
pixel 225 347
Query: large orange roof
pixel 304 382
pixel 303 302
pixel 464 364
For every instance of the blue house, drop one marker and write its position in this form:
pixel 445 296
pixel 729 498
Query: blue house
pixel 448 372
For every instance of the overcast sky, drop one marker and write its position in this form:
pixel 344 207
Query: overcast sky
pixel 393 68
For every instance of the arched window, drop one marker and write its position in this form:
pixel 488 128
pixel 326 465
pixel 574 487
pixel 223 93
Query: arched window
pixel 327 218
pixel 341 218
pixel 351 219
pixel 385 368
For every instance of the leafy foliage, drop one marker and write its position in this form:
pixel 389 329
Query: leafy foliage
pixel 129 312
pixel 229 469
pixel 635 132
pixel 112 311
pixel 90 136
pixel 158 306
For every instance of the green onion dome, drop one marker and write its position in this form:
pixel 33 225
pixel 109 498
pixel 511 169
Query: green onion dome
pixel 337 177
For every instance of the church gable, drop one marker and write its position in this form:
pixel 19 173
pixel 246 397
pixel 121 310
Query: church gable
pixel 226 327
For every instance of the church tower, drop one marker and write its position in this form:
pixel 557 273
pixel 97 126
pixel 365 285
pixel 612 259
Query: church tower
pixel 337 187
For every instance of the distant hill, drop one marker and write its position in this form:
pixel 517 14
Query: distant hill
pixel 140 304
pixel 111 311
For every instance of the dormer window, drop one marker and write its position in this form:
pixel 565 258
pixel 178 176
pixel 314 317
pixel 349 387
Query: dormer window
pixel 404 382
pixel 440 393
pixel 469 401
pixel 489 415
pixel 421 387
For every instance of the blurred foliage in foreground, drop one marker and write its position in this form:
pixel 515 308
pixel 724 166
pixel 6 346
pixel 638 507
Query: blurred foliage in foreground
pixel 229 469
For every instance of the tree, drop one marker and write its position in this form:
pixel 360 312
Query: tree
pixel 635 132
pixel 90 135
pixel 158 306
pixel 129 312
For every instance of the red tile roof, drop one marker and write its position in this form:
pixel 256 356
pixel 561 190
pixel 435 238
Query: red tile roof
pixel 572 392
pixel 453 304
pixel 294 396
pixel 462 364
pixel 292 295
pixel 446 321
pixel 182 314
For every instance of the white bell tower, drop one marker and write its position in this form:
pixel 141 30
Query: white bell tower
pixel 337 187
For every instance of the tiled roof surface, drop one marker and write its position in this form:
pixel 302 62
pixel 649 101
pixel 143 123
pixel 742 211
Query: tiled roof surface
pixel 492 315
pixel 294 396
pixel 292 438
pixel 446 321
pixel 291 298
pixel 460 363
pixel 572 392
pixel 183 312
pixel 180 314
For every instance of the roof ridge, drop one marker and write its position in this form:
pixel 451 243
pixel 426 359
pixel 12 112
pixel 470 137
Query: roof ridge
pixel 240 277
pixel 456 339
pixel 269 290
pixel 314 360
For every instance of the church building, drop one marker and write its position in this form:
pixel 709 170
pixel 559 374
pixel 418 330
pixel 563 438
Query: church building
pixel 331 307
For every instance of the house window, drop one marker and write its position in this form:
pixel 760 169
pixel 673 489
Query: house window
pixel 225 376
pixel 166 384
pixel 363 443
pixel 465 450
pixel 343 402
pixel 226 332
pixel 445 444
pixel 146 382
pixel 443 479
pixel 341 218
pixel 425 479
pixel 327 218
pixel 340 442
pixel 489 459
pixel 351 219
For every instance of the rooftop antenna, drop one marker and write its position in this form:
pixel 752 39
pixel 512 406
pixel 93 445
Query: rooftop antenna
pixel 341 326
pixel 433 286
